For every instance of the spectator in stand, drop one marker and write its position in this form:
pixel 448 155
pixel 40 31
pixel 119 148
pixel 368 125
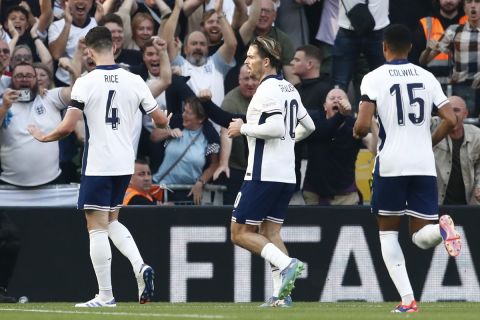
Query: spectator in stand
pixel 23 104
pixel 205 72
pixel 457 160
pixel 157 9
pixel 234 151
pixel 9 248
pixel 140 190
pixel 327 32
pixel 145 21
pixel 461 41
pixel 191 153
pixel 21 54
pixel 19 20
pixel 292 19
pixel 332 152
pixel 44 76
pixel 432 28
pixel 349 45
pixel 4 58
pixel 313 88
pixel 124 57
pixel 314 84
pixel 5 76
pixel 211 27
pixel 265 27
pixel 64 34
pixel 40 53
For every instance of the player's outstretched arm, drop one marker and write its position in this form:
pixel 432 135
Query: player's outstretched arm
pixel 304 128
pixel 274 127
pixel 449 120
pixel 65 127
pixel 160 119
pixel 364 119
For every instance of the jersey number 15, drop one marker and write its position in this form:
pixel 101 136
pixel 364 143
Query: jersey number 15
pixel 412 99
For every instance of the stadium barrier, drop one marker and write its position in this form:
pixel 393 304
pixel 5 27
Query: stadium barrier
pixel 190 249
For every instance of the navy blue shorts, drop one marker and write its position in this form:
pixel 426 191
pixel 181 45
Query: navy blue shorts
pixel 412 195
pixel 104 193
pixel 262 200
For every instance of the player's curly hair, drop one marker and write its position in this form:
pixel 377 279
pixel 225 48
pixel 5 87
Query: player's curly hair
pixel 269 48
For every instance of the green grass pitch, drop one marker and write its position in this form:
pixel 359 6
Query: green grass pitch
pixel 239 311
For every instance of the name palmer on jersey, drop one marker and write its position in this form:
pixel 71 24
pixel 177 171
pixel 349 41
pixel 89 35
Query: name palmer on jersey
pixel 274 159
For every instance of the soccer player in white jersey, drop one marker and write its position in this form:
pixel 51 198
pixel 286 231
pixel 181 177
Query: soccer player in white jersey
pixel 107 98
pixel 404 182
pixel 271 131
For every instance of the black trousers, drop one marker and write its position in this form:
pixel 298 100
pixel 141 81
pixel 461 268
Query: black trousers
pixel 9 248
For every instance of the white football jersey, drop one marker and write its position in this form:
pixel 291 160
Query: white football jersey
pixel 109 97
pixel 274 159
pixel 404 94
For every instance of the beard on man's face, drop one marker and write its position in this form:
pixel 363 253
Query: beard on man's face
pixel 197 59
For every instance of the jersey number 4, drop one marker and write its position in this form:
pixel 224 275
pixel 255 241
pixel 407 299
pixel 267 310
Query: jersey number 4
pixel 111 113
pixel 415 118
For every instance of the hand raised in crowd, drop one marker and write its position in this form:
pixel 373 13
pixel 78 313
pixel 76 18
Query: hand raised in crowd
pixel 344 107
pixel 99 11
pixel 33 30
pixel 11 28
pixel 433 45
pixel 204 95
pixel 67 14
pixel 219 6
pixel 9 97
pixel 159 44
pixel 234 128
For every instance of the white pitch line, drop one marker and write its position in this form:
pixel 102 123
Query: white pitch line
pixel 158 315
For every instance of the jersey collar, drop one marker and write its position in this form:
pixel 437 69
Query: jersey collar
pixel 108 67
pixel 274 76
pixel 398 61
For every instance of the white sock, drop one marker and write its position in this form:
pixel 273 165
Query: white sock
pixel 101 255
pixel 427 237
pixel 123 240
pixel 393 257
pixel 277 280
pixel 275 256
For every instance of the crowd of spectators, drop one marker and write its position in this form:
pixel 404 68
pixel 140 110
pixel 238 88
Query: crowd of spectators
pixel 188 48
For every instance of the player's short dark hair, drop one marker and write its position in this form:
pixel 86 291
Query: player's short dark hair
pixel 269 48
pixel 398 38
pixel 111 18
pixel 312 52
pixel 99 39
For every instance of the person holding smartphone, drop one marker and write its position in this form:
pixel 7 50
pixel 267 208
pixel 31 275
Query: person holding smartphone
pixel 26 162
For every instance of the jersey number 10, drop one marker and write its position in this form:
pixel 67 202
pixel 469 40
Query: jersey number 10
pixel 290 118
pixel 111 114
